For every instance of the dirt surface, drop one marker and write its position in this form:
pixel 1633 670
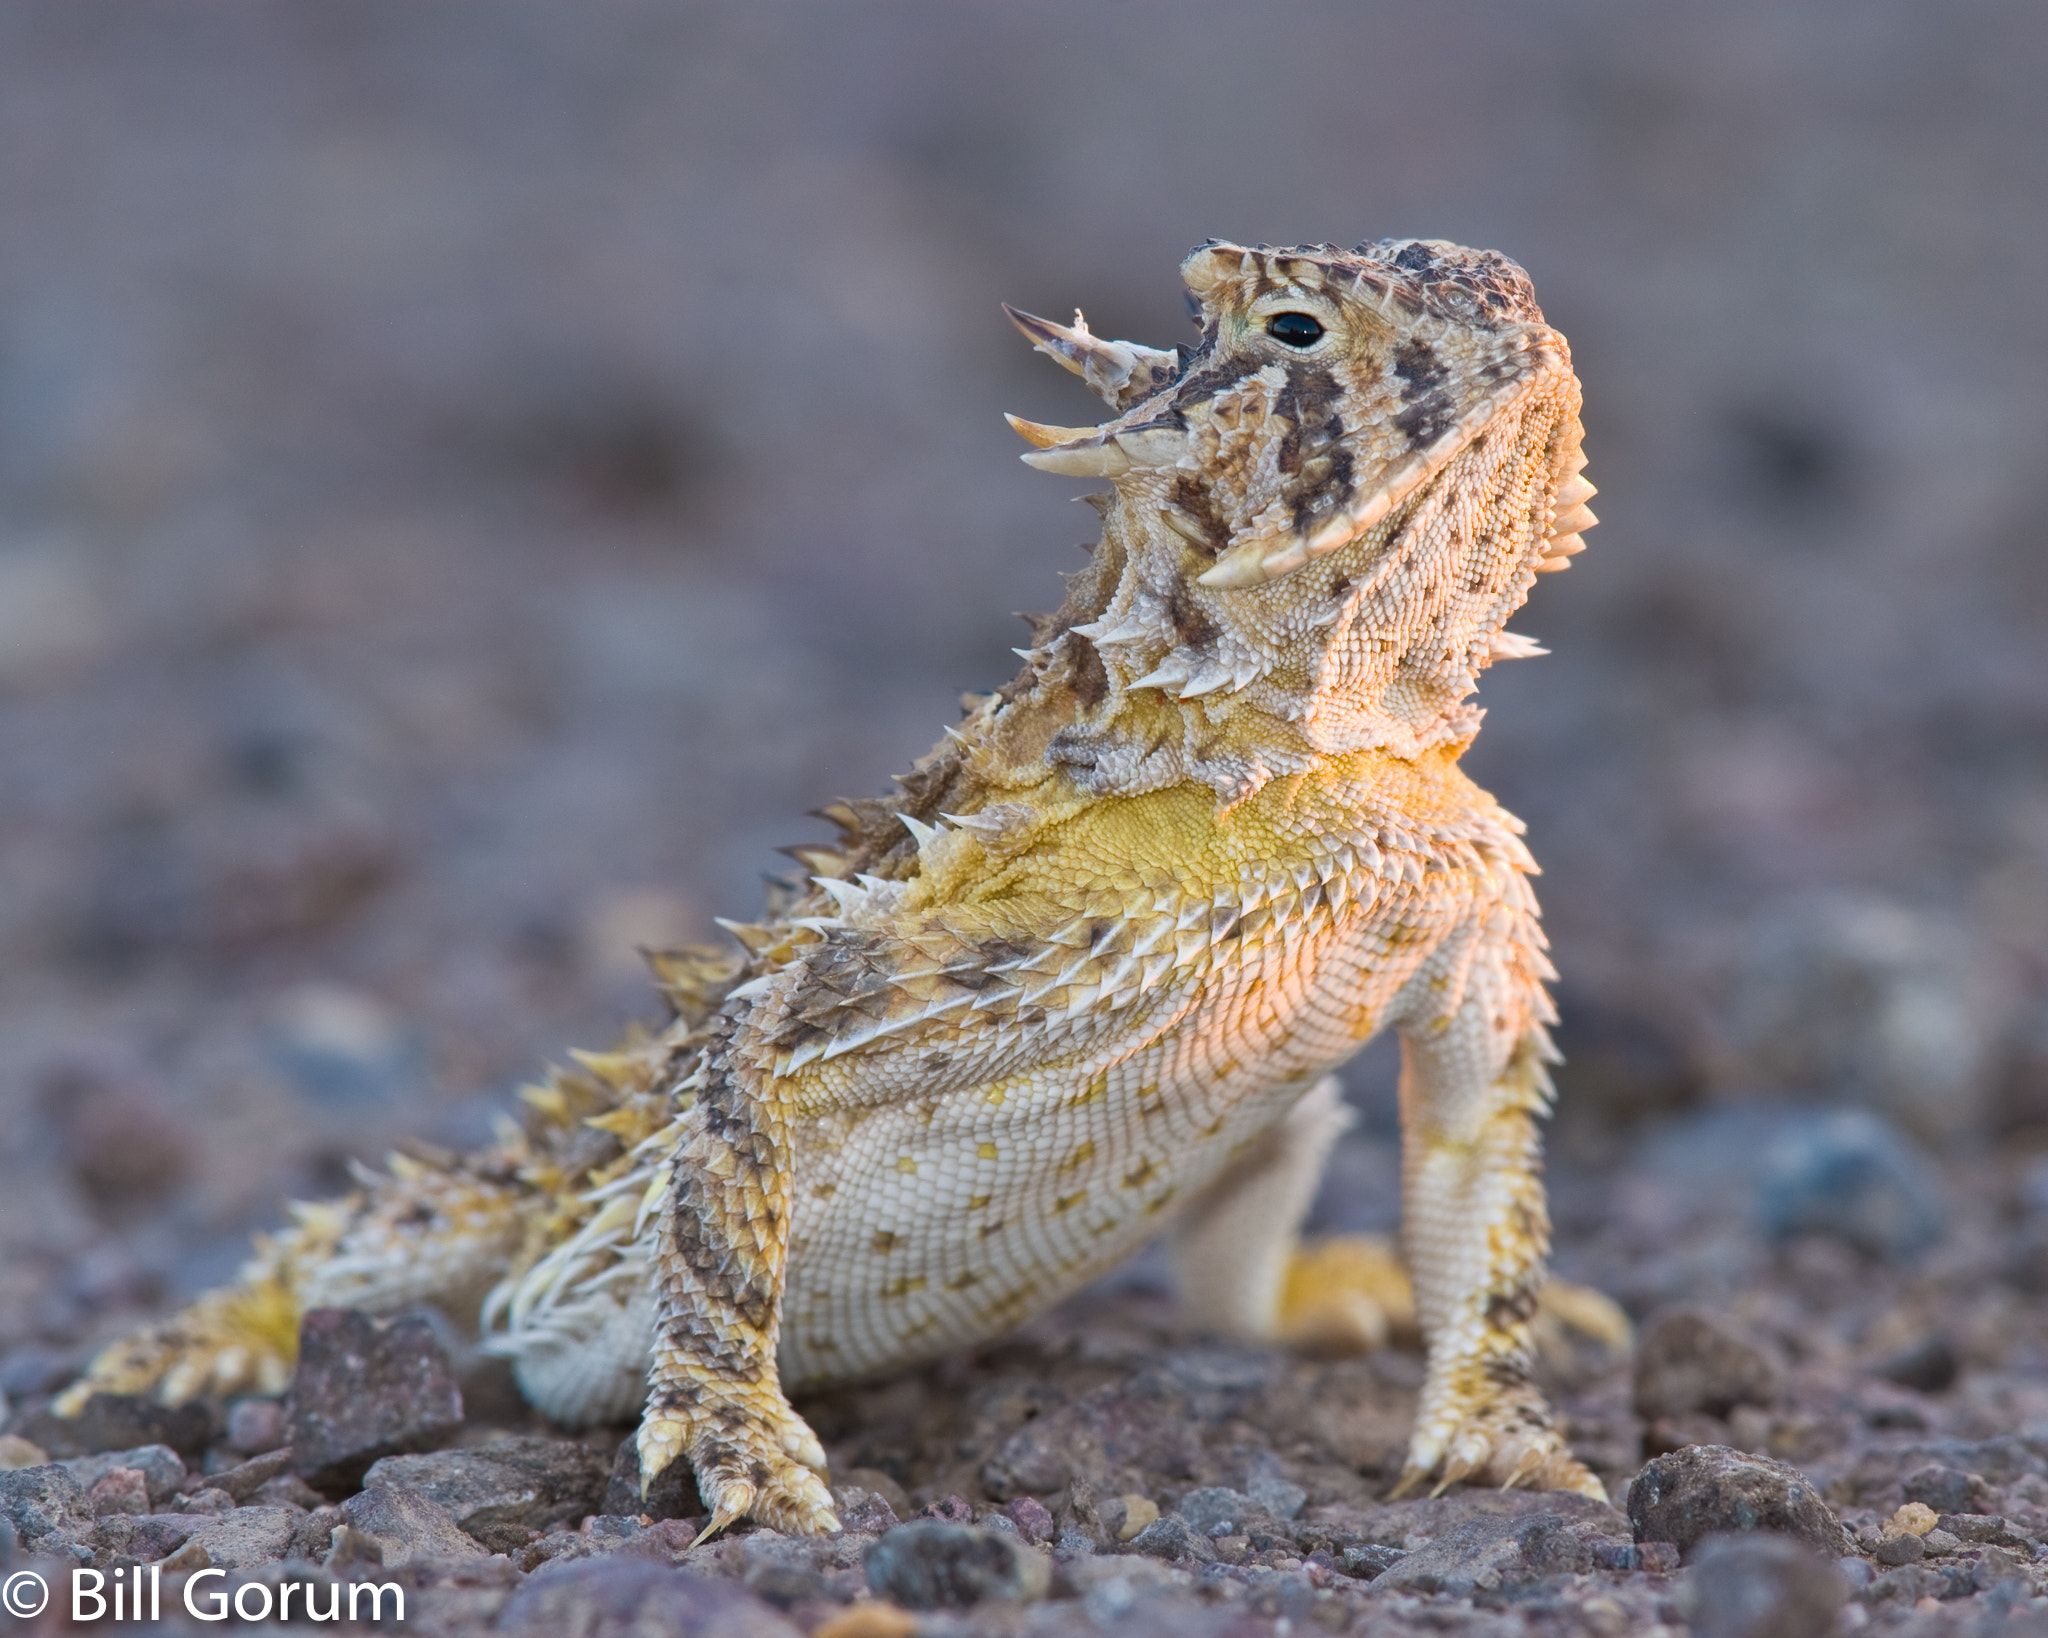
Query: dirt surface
pixel 470 480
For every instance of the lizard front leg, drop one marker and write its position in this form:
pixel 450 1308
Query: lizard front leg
pixel 1475 1225
pixel 714 1393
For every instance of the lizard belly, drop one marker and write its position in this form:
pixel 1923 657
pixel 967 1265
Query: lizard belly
pixel 921 1226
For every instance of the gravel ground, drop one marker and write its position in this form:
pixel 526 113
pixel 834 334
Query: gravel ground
pixel 470 479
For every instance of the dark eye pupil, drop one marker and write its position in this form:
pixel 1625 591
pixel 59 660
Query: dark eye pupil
pixel 1296 329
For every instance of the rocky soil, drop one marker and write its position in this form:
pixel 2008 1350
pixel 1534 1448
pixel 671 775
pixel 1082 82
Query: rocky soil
pixel 468 482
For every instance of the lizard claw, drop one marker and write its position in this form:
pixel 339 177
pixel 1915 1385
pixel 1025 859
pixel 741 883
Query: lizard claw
pixel 1508 1442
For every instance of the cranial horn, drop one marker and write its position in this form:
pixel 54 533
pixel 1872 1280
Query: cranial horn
pixel 1121 372
pixel 1045 436
pixel 1080 460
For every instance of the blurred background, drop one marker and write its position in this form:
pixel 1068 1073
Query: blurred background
pixel 471 478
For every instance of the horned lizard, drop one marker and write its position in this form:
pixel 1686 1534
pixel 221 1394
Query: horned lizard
pixel 1084 981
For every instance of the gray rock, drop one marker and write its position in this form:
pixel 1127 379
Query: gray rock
pixel 1689 1363
pixel 255 1425
pixel 862 1512
pixel 673 1495
pixel 1761 1585
pixel 1213 1507
pixel 1947 1489
pixel 1369 1560
pixel 1495 1551
pixel 158 1464
pixel 47 1508
pixel 121 1490
pixel 1215 1510
pixel 143 1536
pixel 928 1565
pixel 1849 1174
pixel 364 1390
pixel 626 1597
pixel 1111 1439
pixel 247 1537
pixel 121 1422
pixel 505 1492
pixel 406 1525
pixel 1032 1519
pixel 1173 1538
pixel 1277 1498
pixel 245 1479
pixel 1708 1490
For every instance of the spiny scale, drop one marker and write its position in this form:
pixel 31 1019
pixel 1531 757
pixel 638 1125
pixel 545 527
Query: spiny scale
pixel 1078 984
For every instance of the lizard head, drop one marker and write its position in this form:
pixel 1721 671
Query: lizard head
pixel 1325 512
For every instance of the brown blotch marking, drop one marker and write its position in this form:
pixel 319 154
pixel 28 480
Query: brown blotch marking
pixel 1100 1229
pixel 1157 1204
pixel 1508 1372
pixel 1190 624
pixel 1195 498
pixel 1067 1202
pixel 992 1228
pixel 1423 377
pixel 1079 1158
pixel 985 1151
pixel 885 1242
pixel 1086 674
pixel 960 1282
pixel 1506 1310
pixel 906 1165
pixel 1215 1127
pixel 904 1287
pixel 979 1201
pixel 1141 1174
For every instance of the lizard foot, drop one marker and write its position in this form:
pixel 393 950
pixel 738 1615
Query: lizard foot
pixel 1348 1294
pixel 745 1469
pixel 1507 1441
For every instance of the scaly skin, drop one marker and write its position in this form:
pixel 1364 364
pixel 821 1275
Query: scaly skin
pixel 1082 983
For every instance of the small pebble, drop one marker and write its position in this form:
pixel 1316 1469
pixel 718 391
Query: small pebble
pixel 256 1425
pixel 1139 1511
pixel 1914 1518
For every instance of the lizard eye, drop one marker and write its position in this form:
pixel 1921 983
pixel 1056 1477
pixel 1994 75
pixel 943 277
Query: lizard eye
pixel 1295 329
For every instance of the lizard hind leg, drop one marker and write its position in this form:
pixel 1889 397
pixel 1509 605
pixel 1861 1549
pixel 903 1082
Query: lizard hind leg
pixel 1235 1250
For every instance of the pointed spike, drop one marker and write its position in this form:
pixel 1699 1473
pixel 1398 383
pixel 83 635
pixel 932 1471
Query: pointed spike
pixel 922 832
pixel 1575 491
pixel 1513 645
pixel 1084 461
pixel 1572 521
pixel 1209 676
pixel 846 895
pixel 1120 372
pixel 1043 436
pixel 752 935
